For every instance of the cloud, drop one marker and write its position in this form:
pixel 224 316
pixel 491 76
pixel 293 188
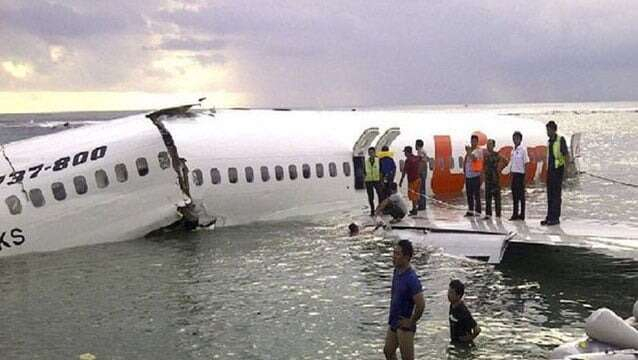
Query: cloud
pixel 17 70
pixel 192 44
pixel 308 53
pixel 51 19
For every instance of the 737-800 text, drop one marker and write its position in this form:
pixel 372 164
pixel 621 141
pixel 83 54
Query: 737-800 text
pixel 60 164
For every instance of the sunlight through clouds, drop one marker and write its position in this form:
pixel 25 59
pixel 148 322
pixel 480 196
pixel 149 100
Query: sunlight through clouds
pixel 56 53
pixel 330 54
pixel 187 74
pixel 17 70
pixel 59 101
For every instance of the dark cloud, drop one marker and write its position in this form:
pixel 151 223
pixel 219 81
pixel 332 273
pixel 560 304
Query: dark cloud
pixel 49 19
pixel 192 44
pixel 308 53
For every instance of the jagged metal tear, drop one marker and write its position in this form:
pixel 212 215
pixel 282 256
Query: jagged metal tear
pixel 13 169
pixel 192 215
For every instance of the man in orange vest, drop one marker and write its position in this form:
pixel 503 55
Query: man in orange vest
pixel 472 169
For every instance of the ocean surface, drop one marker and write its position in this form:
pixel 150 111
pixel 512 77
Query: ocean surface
pixel 303 290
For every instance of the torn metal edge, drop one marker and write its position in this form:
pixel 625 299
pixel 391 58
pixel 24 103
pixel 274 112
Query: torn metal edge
pixel 13 169
pixel 190 218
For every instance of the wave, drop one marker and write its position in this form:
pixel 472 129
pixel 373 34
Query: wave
pixel 575 112
pixel 48 124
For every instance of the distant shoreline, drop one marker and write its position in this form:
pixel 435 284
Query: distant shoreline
pixel 558 106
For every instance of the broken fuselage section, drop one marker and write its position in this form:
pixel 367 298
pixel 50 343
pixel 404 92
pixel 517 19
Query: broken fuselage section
pixel 102 183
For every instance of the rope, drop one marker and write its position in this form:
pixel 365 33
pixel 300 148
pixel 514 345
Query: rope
pixel 441 202
pixel 610 180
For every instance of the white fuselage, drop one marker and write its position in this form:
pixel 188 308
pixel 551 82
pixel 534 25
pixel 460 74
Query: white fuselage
pixel 214 144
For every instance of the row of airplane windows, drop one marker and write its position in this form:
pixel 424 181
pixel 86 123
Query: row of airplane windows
pixel 121 175
pixel 249 174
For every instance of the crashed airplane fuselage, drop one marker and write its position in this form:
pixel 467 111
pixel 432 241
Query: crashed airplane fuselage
pixel 125 178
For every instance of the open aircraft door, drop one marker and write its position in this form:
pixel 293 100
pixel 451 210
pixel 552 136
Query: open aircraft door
pixel 359 152
pixel 387 138
pixel 573 167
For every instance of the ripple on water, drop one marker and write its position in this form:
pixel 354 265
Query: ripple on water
pixel 303 290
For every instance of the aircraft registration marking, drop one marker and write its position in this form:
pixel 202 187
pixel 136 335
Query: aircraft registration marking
pixel 60 164
pixel 13 237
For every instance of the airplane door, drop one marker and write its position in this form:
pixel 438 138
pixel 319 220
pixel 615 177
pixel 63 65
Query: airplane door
pixel 387 138
pixel 573 168
pixel 358 155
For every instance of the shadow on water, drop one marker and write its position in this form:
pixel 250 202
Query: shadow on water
pixel 573 278
pixel 293 289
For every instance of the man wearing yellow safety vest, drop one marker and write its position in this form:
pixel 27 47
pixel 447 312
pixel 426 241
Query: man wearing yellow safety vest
pixel 372 177
pixel 557 157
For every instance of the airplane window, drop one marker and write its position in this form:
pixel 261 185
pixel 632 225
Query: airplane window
pixel 319 168
pixel 250 176
pixel 305 170
pixel 292 172
pixel 451 162
pixel 332 169
pixel 215 176
pixel 441 163
pixel 401 164
pixel 198 177
pixel 279 173
pixel 164 160
pixel 346 169
pixel 15 207
pixel 431 163
pixel 36 197
pixel 101 179
pixel 59 193
pixel 460 162
pixel 121 174
pixel 80 185
pixel 232 175
pixel 142 166
pixel 265 175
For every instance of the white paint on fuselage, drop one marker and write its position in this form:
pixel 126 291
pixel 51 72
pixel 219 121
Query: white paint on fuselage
pixel 236 139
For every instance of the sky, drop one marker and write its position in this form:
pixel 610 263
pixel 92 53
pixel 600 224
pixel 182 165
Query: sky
pixel 125 54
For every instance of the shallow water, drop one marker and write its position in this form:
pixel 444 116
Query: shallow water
pixel 302 290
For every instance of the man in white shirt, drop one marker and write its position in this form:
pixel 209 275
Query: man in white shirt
pixel 394 204
pixel 518 161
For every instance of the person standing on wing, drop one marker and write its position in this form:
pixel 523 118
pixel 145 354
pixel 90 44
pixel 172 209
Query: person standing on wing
pixel 516 167
pixel 372 178
pixel 411 168
pixel 472 169
pixel 423 173
pixel 557 157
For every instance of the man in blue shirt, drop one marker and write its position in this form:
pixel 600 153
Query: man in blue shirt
pixel 406 304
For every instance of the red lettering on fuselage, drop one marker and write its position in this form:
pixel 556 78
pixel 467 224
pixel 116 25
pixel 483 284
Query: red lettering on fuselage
pixel 445 182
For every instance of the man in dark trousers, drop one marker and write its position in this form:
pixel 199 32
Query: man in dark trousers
pixel 423 173
pixel 388 170
pixel 473 168
pixel 372 177
pixel 516 167
pixel 492 170
pixel 557 157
